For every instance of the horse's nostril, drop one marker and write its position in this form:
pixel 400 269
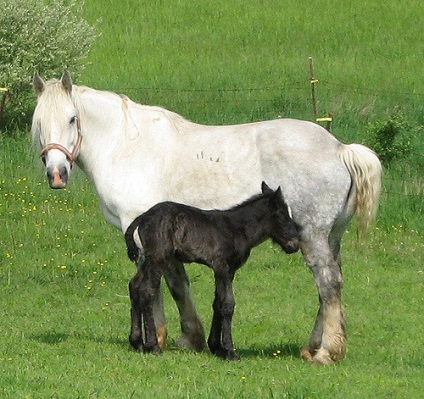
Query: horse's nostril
pixel 57 177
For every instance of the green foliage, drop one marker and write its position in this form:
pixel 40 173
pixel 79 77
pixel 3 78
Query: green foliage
pixel 390 138
pixel 39 36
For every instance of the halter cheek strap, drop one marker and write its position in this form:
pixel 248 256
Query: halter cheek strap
pixel 71 156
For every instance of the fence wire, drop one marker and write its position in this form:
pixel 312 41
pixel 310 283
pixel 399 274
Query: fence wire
pixel 407 187
pixel 273 96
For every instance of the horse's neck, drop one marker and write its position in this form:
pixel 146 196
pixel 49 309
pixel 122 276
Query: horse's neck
pixel 100 127
pixel 250 225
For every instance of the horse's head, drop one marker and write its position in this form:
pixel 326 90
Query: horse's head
pixel 284 230
pixel 56 128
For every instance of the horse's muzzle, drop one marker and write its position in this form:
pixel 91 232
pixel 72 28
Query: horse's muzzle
pixel 57 177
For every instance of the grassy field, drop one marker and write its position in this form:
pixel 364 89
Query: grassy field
pixel 367 57
pixel 65 317
pixel 63 270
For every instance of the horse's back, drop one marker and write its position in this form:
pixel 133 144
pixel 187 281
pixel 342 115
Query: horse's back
pixel 219 166
pixel 223 165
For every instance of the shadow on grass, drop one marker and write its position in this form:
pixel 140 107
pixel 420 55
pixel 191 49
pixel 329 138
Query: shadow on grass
pixel 285 350
pixel 55 338
pixel 282 350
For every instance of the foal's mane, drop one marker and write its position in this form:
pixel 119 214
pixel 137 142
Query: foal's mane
pixel 250 200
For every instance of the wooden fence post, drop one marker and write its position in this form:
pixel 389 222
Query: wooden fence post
pixel 314 81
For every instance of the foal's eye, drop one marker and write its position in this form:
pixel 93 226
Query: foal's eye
pixel 72 120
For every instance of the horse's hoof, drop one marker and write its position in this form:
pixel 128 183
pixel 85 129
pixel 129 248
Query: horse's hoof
pixel 318 357
pixel 307 354
pixel 194 343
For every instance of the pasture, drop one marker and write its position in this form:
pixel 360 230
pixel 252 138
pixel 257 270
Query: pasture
pixel 64 270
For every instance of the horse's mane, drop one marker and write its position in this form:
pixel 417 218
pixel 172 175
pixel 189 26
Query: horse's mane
pixel 54 93
pixel 175 119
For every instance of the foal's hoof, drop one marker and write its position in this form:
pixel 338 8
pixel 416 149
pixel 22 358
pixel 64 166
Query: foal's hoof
pixel 154 349
pixel 136 343
pixel 227 354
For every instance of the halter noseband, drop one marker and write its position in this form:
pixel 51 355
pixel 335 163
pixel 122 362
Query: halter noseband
pixel 71 156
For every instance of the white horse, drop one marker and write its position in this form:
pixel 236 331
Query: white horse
pixel 137 156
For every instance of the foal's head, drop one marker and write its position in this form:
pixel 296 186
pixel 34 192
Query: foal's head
pixel 284 230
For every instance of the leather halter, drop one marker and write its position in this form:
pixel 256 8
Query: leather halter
pixel 71 156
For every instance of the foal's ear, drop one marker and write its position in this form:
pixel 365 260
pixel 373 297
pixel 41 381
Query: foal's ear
pixel 38 84
pixel 279 192
pixel 266 189
pixel 277 197
pixel 66 82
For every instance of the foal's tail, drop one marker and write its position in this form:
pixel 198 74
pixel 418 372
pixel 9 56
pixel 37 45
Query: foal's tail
pixel 365 170
pixel 133 250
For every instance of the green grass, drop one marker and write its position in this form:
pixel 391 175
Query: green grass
pixel 63 270
pixel 65 313
pixel 367 57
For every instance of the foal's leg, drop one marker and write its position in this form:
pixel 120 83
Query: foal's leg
pixel 220 340
pixel 327 343
pixel 193 334
pixel 214 340
pixel 136 334
pixel 136 338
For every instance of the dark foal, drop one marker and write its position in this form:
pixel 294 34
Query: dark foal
pixel 221 240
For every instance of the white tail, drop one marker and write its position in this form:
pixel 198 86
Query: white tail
pixel 365 169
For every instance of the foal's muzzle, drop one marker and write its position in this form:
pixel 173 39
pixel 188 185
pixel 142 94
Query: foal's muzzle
pixel 291 246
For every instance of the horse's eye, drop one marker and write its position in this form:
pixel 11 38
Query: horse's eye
pixel 72 120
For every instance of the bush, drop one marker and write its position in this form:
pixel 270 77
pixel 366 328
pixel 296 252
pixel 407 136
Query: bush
pixel 390 138
pixel 38 36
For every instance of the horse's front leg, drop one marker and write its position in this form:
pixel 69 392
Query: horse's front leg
pixel 327 343
pixel 193 334
pixel 220 340
pixel 136 334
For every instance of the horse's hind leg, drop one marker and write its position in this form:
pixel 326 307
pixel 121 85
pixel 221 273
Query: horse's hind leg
pixel 193 334
pixel 150 286
pixel 327 343
pixel 159 317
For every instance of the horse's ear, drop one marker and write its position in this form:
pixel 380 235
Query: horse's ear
pixel 66 82
pixel 38 84
pixel 266 189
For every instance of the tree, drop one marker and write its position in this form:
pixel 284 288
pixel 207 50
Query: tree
pixel 45 36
